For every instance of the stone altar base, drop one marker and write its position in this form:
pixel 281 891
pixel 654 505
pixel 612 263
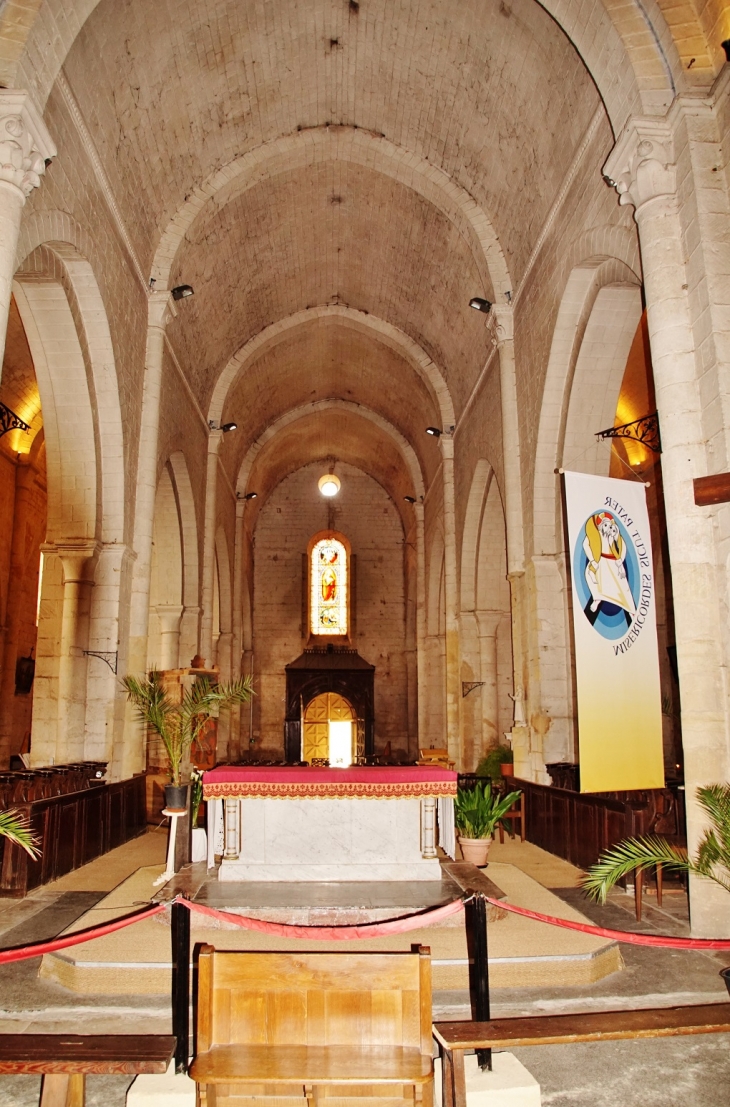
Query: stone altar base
pixel 298 840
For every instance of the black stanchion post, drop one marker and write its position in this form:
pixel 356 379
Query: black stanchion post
pixel 476 940
pixel 180 936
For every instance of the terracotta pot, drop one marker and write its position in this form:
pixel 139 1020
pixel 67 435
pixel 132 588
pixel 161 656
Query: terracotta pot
pixel 475 850
pixel 507 769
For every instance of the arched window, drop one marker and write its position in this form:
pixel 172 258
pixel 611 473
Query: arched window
pixel 329 586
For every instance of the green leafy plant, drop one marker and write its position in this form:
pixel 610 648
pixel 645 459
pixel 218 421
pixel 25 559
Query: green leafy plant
pixel 180 724
pixel 16 828
pixel 490 765
pixel 712 860
pixel 479 810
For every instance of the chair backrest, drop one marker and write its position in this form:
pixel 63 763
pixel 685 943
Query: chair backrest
pixel 314 999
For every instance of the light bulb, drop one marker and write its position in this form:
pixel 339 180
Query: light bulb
pixel 329 485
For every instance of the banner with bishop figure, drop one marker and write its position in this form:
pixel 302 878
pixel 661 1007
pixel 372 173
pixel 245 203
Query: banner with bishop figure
pixel 614 622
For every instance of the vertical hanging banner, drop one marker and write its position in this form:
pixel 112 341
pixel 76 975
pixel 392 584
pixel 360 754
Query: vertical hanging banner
pixel 614 620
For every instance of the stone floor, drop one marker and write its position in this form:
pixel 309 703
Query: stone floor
pixel 680 1072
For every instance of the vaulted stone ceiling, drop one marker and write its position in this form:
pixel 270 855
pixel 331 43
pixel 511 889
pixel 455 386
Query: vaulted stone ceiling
pixel 463 119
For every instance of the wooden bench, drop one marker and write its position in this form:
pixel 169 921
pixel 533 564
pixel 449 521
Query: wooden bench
pixel 349 1029
pixel 65 1059
pixel 601 1026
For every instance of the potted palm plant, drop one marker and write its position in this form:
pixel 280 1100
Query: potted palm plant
pixel 16 828
pixel 180 724
pixel 477 812
pixel 711 861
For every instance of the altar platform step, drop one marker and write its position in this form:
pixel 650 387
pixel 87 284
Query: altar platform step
pixel 522 953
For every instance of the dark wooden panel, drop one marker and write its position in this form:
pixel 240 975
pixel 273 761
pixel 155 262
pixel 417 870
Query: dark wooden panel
pixel 150 1053
pixel 73 829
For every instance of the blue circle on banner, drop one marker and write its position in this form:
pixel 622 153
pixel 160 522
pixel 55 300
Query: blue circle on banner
pixel 611 550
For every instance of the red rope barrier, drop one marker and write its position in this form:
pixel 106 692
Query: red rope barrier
pixel 333 933
pixel 7 956
pixel 617 935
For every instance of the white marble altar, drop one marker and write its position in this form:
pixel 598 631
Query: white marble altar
pixel 354 839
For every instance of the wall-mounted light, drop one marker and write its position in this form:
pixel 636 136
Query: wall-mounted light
pixel 410 499
pixel 479 304
pixel 434 431
pixel 182 292
pixel 726 47
pixel 329 485
pixel 226 427
pixel 250 496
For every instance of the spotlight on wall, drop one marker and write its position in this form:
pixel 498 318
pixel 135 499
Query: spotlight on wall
pixel 479 304
pixel 250 496
pixel 182 291
pixel 434 431
pixel 329 485
pixel 226 427
pixel 726 47
pixel 410 499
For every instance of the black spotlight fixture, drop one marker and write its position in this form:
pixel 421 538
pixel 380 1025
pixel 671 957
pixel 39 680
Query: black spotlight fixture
pixel 726 47
pixel 182 291
pixel 479 304
pixel 434 431
pixel 410 499
pixel 250 496
pixel 226 427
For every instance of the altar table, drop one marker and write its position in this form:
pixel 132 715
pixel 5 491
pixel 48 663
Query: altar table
pixel 290 823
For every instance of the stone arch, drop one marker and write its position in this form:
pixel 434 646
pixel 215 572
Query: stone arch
pixel 348 144
pixel 390 335
pixel 409 454
pixel 189 623
pixel 579 299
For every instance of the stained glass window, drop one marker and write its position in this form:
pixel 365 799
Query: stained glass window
pixel 328 601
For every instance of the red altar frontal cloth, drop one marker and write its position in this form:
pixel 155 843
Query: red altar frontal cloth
pixel 303 782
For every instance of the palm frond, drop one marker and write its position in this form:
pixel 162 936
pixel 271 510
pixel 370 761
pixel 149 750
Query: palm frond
pixel 15 827
pixel 715 799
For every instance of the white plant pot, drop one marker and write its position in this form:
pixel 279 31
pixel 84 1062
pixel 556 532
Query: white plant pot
pixel 200 844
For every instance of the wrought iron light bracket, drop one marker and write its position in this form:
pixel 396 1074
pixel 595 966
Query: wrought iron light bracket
pixel 644 430
pixel 9 421
pixel 107 656
pixel 468 686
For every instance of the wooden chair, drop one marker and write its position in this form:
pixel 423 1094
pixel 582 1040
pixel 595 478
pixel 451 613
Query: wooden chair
pixel 289 1029
pixel 516 814
pixel 639 886
pixel 65 1059
pixel 437 757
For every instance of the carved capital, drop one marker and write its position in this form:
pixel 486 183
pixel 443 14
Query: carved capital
pixel 161 309
pixel 25 143
pixel 641 165
pixel 501 324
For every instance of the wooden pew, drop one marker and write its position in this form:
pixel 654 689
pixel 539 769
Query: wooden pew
pixel 600 1026
pixel 65 1059
pixel 347 1029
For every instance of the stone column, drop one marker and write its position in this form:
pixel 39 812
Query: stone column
pixel 161 309
pixel 25 145
pixel 234 737
pixel 453 677
pixel 488 623
pixel 421 622
pixel 643 166
pixel 77 561
pixel 211 492
pixel 169 615
pixel 105 700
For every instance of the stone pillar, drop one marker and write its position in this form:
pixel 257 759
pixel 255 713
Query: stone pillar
pixel 25 476
pixel 211 492
pixel 643 166
pixel 25 145
pixel 488 624
pixel 234 737
pixel 161 309
pixel 77 561
pixel 105 700
pixel 421 623
pixel 428 827
pixel 453 676
pixel 169 615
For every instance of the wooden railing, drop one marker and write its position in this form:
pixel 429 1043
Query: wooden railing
pixel 73 829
